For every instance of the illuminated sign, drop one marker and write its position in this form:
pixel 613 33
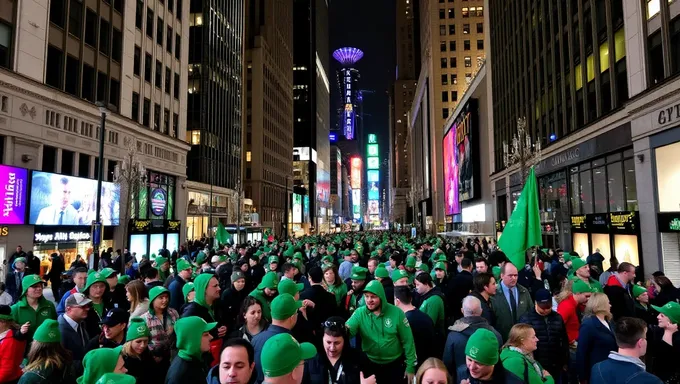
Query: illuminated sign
pixel 356 201
pixel 355 174
pixel 372 176
pixel 302 153
pixel 373 207
pixel 373 163
pixel 349 105
pixel 372 138
pixel 475 213
pixel 372 150
pixel 297 208
pixel 332 137
pixel 373 192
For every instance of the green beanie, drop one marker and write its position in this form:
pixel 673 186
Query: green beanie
pixel 327 259
pixel 97 363
pixel 577 263
pixel 399 274
pixel 273 259
pixel 298 255
pixel 182 264
pixel 201 258
pixel 29 281
pixel 580 286
pixel 482 347
pixel 381 272
pixel 48 332
pixel 270 280
pixel 20 260
pixel 116 378
pixel 154 293
pixel 359 273
pixel 94 278
pixel 160 260
pixel 137 329
pixel 638 290
pixel 410 262
pixel 186 290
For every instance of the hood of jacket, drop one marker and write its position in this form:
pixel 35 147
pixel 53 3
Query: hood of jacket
pixel 468 325
pixel 98 362
pixel 377 289
pixel 189 338
pixel 200 285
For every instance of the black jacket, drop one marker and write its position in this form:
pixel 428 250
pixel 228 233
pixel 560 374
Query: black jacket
pixel 460 287
pixel 487 308
pixel 145 369
pixel 231 301
pixel 255 275
pixel 319 370
pixel 553 343
pixel 423 335
pixel 195 309
pixel 186 371
pixel 620 298
pixel 388 286
pixel 119 298
pixel 500 376
pixel 325 305
pixel 102 342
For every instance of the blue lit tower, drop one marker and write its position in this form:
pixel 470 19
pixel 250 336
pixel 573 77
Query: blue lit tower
pixel 348 78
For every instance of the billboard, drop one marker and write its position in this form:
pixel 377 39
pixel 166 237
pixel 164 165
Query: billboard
pixel 373 176
pixel 348 124
pixel 373 191
pixel 305 209
pixel 372 138
pixel 355 173
pixel 332 137
pixel 467 153
pixel 373 207
pixel 13 182
pixel 450 174
pixel 356 201
pixel 323 186
pixel 67 200
pixel 297 208
pixel 373 163
pixel 372 150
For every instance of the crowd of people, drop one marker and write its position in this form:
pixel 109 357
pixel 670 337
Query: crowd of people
pixel 366 307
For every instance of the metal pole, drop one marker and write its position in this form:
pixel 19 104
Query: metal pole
pixel 100 171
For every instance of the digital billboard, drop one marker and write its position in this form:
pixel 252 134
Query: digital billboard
pixel 373 207
pixel 13 182
pixel 67 200
pixel 355 173
pixel 305 209
pixel 373 176
pixel 467 152
pixel 323 186
pixel 356 201
pixel 372 150
pixel 332 137
pixel 373 191
pixel 372 138
pixel 450 174
pixel 297 208
pixel 349 105
pixel 373 163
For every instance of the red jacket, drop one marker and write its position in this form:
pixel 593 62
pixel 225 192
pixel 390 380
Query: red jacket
pixel 11 355
pixel 613 281
pixel 567 309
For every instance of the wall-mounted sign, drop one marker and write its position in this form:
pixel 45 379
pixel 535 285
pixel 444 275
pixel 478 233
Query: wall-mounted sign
pixel 372 138
pixel 4 231
pixel 373 163
pixel 597 223
pixel 173 225
pixel 578 222
pixel 159 201
pixel 60 234
pixel 668 221
pixel 332 137
pixel 140 226
pixel 372 150
pixel 13 182
pixel 627 222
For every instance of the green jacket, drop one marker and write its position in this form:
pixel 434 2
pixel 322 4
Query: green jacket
pixel 48 376
pixel 595 285
pixel 387 336
pixel 433 306
pixel 22 313
pixel 340 292
pixel 261 298
pixel 518 363
pixel 501 309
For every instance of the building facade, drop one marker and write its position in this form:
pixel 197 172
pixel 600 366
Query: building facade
pixel 269 108
pixel 57 60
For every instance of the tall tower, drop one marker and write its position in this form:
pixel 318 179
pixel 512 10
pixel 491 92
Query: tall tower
pixel 348 78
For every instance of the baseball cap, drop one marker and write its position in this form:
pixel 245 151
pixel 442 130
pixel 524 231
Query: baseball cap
pixel 107 272
pixel 114 317
pixel 284 306
pixel 77 300
pixel 543 298
pixel 290 287
pixel 281 354
pixel 671 310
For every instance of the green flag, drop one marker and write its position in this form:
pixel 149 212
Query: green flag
pixel 221 235
pixel 523 230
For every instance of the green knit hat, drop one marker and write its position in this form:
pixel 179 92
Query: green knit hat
pixel 482 347
pixel 201 258
pixel 116 378
pixel 638 290
pixel 399 274
pixel 155 292
pixel 186 290
pixel 48 332
pixel 160 260
pixel 359 273
pixel 577 263
pixel 410 262
pixel 270 280
pixel 382 272
pixel 327 259
pixel 298 255
pixel 290 287
pixel 273 259
pixel 29 281
pixel 580 286
pixel 99 362
pixel 182 264
pixel 137 329
pixel 94 278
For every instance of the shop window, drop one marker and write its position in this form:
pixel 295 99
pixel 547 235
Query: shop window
pixel 600 189
pixel 586 192
pixel 615 185
pixel 83 165
pixel 575 188
pixel 668 177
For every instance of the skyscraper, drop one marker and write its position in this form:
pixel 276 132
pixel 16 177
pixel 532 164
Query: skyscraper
pixel 269 110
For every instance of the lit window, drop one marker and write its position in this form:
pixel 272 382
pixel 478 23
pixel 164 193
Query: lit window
pixel 195 137
pixel 466 12
pixel 195 19
pixel 653 7
pixel 468 61
pixel 248 156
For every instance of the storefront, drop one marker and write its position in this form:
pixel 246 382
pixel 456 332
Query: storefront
pixel 200 211
pixel 149 236
pixel 66 240
pixel 615 234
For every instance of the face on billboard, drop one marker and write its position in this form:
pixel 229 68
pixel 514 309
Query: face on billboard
pixel 450 174
pixel 373 176
pixel 373 207
pixel 373 163
pixel 372 150
pixel 13 182
pixel 67 200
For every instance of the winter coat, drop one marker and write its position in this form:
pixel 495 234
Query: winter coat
pixel 454 349
pixel 23 313
pixel 487 308
pixel 461 286
pixel 49 376
pixel 620 298
pixel 500 376
pixel 176 295
pixel 553 344
pixel 595 341
pixel 186 371
pixel 231 302
pixel 145 369
pixel 621 371
pixel 501 308
pixel 318 369
pixel 521 366
pixel 433 304
pixel 11 354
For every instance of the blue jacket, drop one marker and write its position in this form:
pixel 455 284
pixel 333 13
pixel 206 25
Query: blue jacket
pixel 258 345
pixel 176 295
pixel 595 342
pixel 618 371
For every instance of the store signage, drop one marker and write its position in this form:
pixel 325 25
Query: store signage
pixel 140 226
pixel 173 225
pixel 4 231
pixel 58 235
pixel 13 182
pixel 668 221
pixel 623 221
pixel 597 223
pixel 159 201
pixel 667 115
pixel 578 222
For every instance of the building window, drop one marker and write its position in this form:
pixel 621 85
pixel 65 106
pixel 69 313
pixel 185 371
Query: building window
pixel 452 29
pixel 445 113
pixel 443 62
pixel 146 112
pixel 57 13
pixel 480 27
pixel 468 78
pixel 149 22
pixel 442 30
pixel 116 45
pixel 138 60
pixel 480 44
pixel 653 8
pixel 171 6
pixel 480 11
pixel 194 137
pixel 178 13
pixel 91 28
pixel 118 5
pixel 442 14
pixel 72 83
pixel 453 62
pixel 101 86
pixel 135 106
pixel 466 12
pixel 454 95
pixel 159 31
pixel 75 18
pixel 445 79
pixel 466 29
pixel 452 46
pixel 54 69
pixel 104 38
pixel 67 158
pixel 147 67
pixel 442 46
pixel 168 40
pixel 83 165
pixel 87 90
pixel 49 159
pixel 452 13
pixel 248 156
pixel 177 46
pixel 468 62
pixel 445 96
pixel 175 122
pixel 176 87
pixel 166 121
pixel 167 80
pixel 159 73
pixel 454 79
pixel 466 45
pixel 139 14
pixel 156 117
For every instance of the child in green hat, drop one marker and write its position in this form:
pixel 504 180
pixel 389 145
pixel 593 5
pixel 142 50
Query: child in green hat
pixel 47 357
pixel 32 297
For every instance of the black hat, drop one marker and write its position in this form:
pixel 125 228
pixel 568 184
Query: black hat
pixel 543 298
pixel 115 316
pixel 5 312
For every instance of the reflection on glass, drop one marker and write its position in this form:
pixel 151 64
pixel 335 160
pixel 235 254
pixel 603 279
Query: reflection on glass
pixel 631 190
pixel 615 184
pixel 156 243
pixel 172 242
pixel 601 244
pixel 580 244
pixel 586 192
pixel 600 189
pixel 138 246
pixel 575 198
pixel 626 249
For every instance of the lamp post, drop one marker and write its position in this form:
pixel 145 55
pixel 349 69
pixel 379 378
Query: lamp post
pixel 96 239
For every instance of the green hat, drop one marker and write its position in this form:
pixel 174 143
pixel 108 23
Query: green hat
pixel 358 273
pixel 398 274
pixel 382 272
pixel 290 287
pixel 182 264
pixel 284 306
pixel 155 292
pixel 577 263
pixel 298 255
pixel 442 258
pixel 410 262
pixel 160 260
pixel 20 260
pixel 29 281
pixel 440 265
pixel 482 347
pixel 273 259
pixel 116 378
pixel 124 279
pixel 270 280
pixel 137 329
pixel 566 257
pixel 330 249
pixel 671 310
pixel 107 272
pixel 423 267
pixel 281 354
pixel 186 290
pixel 48 332
pixel 327 259
pixel 638 290
pixel 99 362
pixel 90 271
pixel 580 286
pixel 189 331
pixel 94 278
pixel 201 258
pixel 496 271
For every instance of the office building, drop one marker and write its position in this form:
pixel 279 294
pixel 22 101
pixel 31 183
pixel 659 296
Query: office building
pixel 56 60
pixel 214 112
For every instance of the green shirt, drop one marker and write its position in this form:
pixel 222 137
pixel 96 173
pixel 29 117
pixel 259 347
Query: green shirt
pixel 516 363
pixel 99 308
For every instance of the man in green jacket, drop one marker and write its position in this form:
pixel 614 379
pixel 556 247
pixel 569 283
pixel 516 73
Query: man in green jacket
pixel 265 293
pixel 511 301
pixel 32 308
pixel 386 337
pixel 432 303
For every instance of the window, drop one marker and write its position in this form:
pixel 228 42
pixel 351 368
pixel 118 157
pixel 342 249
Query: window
pixel 466 29
pixel 166 121
pixel 178 13
pixel 452 29
pixel 175 123
pixel 54 69
pixel 159 73
pixel 653 8
pixel 468 62
pixel 104 38
pixel 575 192
pixel 67 158
pixel 149 22
pixel 466 12
pixel 480 45
pixel 49 159
pixel 167 80
pixel 168 39
pixel 57 13
pixel 114 92
pixel 147 67
pixel 655 51
pixel 87 90
pixel 145 112
pixel 452 46
pixel 445 96
pixel 586 192
pixel 101 86
pixel 72 83
pixel 454 79
pixel 83 165
pixel 116 45
pixel 248 156
pixel 443 63
pixel 631 189
pixel 139 14
pixel 177 45
pixel 442 30
pixel 445 113
pixel 156 117
pixel 480 27
pixel 159 31
pixel 138 60
pixel 617 195
pixel 468 78
pixel 176 87
pixel 466 45
pixel 442 46
pixel 454 95
pixel 5 45
pixel 118 5
pixel 135 106
pixel 600 189
pixel 91 28
pixel 452 13
pixel 442 14
pixel 453 62
pixel 171 6
pixel 445 79
pixel 480 11
pixel 75 18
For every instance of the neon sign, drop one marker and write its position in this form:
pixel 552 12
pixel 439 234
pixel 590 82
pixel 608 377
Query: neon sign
pixel 349 105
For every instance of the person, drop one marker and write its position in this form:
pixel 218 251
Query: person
pixel 511 303
pixel 206 306
pixel 325 303
pixel 663 343
pixel 61 212
pixel 180 278
pixel 237 364
pixel 553 344
pixel 421 325
pixel 160 319
pixel 386 337
pixel 48 361
pixel 383 276
pixel 596 336
pixel 14 278
pixel 570 308
pixel 400 278
pixel 282 359
pixel 482 364
pixel 74 336
pixel 33 308
pixel 138 296
pixel 193 340
pixel 461 285
pixel 355 296
pixel 19 252
pixel 189 295
pixel 101 361
pixel 433 371
pixel 284 314
pixel 96 290
pixel 12 346
pixel 113 330
pixel 289 270
pixel 5 298
pixel 516 356
pixel 250 319
pixel 152 279
pixel 232 298
pixel 79 278
pixel 345 270
pixel 618 290
pixel 338 363
pixel 138 360
pixel 595 261
pixel 484 288
pixel 334 284
pixel 582 272
pixel 664 291
pixel 265 292
pixel 624 365
pixel 54 274
pixel 642 308
pixel 432 304
pixel 117 296
pixel 461 331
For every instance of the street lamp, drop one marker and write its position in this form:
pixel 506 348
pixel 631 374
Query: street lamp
pixel 522 151
pixel 97 232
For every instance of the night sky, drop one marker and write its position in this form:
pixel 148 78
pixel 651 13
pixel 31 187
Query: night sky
pixel 370 26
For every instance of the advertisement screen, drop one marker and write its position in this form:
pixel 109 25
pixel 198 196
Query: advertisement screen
pixel 13 182
pixel 373 176
pixel 466 148
pixel 356 173
pixel 372 138
pixel 323 186
pixel 450 174
pixel 305 209
pixel 373 163
pixel 373 191
pixel 297 208
pixel 373 207
pixel 356 201
pixel 67 200
pixel 372 150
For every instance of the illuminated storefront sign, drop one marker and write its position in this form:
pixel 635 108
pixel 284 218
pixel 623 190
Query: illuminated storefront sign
pixel 373 176
pixel 356 173
pixel 372 150
pixel 332 137
pixel 372 138
pixel 373 163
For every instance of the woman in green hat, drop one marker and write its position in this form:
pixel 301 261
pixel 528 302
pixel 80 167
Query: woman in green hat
pixel 138 359
pixel 161 319
pixel 101 361
pixel 333 283
pixel 12 346
pixel 96 289
pixel 33 307
pixel 48 361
